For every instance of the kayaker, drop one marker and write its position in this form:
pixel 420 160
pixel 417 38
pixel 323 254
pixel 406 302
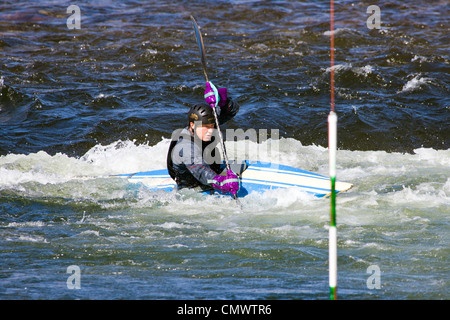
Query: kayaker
pixel 193 159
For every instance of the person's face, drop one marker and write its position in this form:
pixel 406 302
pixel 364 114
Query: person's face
pixel 204 132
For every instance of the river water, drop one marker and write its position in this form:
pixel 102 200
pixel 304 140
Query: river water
pixel 78 105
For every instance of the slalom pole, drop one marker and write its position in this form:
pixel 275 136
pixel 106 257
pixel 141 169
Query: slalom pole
pixel 332 254
pixel 332 146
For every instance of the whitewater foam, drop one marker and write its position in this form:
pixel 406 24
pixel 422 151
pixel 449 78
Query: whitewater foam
pixel 415 83
pixel 380 178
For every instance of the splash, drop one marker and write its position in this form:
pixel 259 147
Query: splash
pixel 415 83
pixel 378 176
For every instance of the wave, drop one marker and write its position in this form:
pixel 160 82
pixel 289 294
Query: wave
pixel 415 83
pixel 375 174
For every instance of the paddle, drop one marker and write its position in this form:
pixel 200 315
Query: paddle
pixel 201 48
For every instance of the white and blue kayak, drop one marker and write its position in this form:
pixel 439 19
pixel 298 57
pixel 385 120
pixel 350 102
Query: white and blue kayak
pixel 256 176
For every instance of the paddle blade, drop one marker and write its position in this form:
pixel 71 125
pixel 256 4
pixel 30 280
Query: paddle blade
pixel 201 47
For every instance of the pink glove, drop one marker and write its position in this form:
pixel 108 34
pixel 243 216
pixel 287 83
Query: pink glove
pixel 210 96
pixel 222 96
pixel 228 183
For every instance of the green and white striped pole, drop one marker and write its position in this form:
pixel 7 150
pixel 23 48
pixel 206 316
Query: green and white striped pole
pixel 332 146
pixel 332 250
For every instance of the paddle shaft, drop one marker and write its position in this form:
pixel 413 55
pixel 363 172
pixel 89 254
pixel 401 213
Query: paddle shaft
pixel 201 48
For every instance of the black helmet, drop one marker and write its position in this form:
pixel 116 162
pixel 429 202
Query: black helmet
pixel 201 112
